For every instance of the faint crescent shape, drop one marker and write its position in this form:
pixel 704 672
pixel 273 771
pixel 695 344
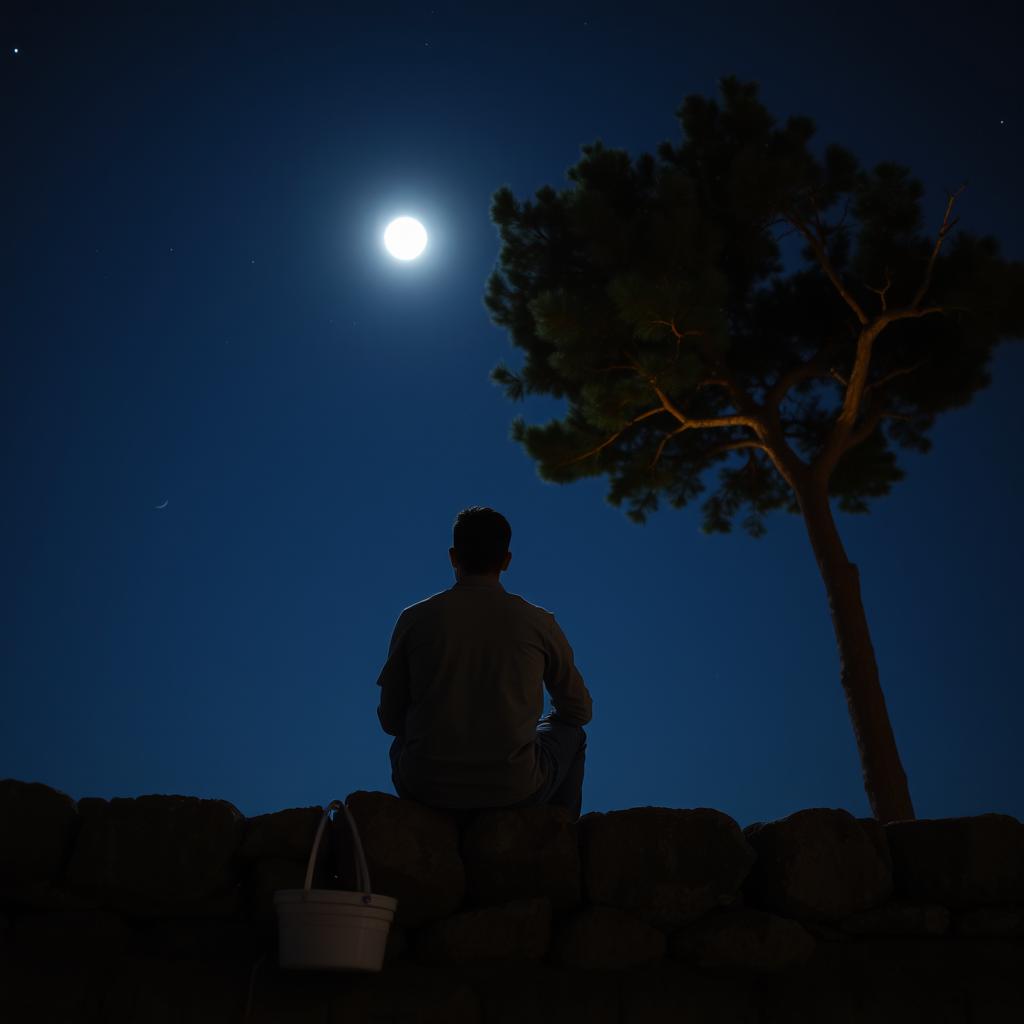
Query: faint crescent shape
pixel 164 505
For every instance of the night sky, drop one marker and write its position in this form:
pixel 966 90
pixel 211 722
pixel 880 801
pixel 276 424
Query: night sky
pixel 198 313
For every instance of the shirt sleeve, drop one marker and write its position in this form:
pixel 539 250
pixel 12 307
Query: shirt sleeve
pixel 570 697
pixel 394 683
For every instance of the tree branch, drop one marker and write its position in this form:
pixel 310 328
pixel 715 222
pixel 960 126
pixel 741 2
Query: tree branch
pixel 716 421
pixel 734 446
pixel 902 371
pixel 740 399
pixel 881 292
pixel 905 314
pixel 661 447
pixel 947 226
pixel 817 245
pixel 813 367
pixel 869 425
pixel 614 437
pixel 679 335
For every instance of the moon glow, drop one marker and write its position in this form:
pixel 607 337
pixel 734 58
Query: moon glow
pixel 405 238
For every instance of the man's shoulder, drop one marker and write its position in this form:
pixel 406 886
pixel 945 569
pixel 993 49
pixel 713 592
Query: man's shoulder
pixel 529 608
pixel 426 602
pixel 516 602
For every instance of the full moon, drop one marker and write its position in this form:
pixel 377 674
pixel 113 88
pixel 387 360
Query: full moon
pixel 405 238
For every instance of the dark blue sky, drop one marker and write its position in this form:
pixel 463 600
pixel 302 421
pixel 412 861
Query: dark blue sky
pixel 197 310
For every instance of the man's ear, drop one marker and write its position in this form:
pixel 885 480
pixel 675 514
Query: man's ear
pixel 508 558
pixel 452 558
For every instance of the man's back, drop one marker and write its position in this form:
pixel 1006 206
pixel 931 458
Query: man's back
pixel 464 686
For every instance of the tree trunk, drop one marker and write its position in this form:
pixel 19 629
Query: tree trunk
pixel 884 779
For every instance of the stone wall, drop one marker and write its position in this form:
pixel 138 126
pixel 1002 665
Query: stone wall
pixel 160 909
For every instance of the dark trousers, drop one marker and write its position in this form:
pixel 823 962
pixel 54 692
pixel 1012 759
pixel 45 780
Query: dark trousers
pixel 562 750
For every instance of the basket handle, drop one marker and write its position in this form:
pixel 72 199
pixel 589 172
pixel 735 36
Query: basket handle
pixel 362 873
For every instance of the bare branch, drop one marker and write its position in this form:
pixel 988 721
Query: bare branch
pixel 679 335
pixel 837 376
pixel 869 425
pixel 880 292
pixel 905 314
pixel 818 245
pixel 614 437
pixel 814 367
pixel 902 371
pixel 716 421
pixel 947 226
pixel 735 446
pixel 661 447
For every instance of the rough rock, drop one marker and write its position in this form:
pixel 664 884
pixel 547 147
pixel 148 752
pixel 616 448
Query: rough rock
pixel 266 877
pixel 606 938
pixel 205 939
pixel 819 864
pixel 539 992
pixel 37 824
pixel 882 981
pixel 412 854
pixel 960 863
pixel 991 922
pixel 415 995
pixel 746 939
pixel 517 930
pixel 283 835
pixel 670 995
pixel 158 854
pixel 84 935
pixel 875 831
pixel 670 866
pixel 522 853
pixel 899 918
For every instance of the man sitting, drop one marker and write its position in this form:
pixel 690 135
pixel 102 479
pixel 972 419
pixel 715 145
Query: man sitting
pixel 463 688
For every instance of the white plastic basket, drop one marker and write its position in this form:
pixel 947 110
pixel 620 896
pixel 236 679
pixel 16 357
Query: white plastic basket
pixel 330 929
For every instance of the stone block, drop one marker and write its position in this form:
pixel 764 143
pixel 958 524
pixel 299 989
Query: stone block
pixel 671 995
pixel 606 938
pixel 959 863
pixel 206 940
pixel 819 864
pixel 745 939
pixel 37 825
pixel 265 877
pixel 412 994
pixel 991 922
pixel 670 866
pixel 412 854
pixel 545 994
pixel 158 854
pixel 516 931
pixel 520 853
pixel 283 835
pixel 86 935
pixel 899 918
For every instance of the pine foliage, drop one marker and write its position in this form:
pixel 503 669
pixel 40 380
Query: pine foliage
pixel 646 284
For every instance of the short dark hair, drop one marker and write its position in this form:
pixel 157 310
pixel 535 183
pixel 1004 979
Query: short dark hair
pixel 481 538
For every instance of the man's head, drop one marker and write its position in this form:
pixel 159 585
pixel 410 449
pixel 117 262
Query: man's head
pixel 481 538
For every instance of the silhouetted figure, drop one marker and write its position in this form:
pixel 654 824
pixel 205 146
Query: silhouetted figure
pixel 462 691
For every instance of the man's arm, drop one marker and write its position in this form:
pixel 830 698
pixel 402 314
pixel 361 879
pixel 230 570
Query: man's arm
pixel 394 684
pixel 570 697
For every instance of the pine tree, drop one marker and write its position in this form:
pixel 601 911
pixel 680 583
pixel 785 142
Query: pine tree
pixel 650 295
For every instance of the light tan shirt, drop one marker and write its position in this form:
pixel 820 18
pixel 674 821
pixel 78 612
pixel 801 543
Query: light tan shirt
pixel 464 686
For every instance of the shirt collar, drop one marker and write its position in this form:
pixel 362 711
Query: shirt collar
pixel 479 581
